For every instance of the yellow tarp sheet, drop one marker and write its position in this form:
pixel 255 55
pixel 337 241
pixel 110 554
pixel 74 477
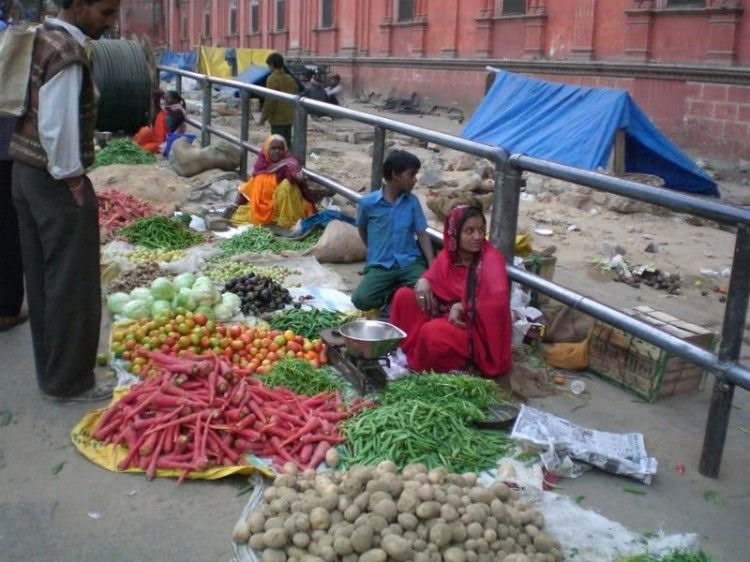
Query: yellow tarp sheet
pixel 108 456
pixel 211 60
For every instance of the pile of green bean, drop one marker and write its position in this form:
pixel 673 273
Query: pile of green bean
pixel 418 431
pixel 301 378
pixel 122 151
pixel 160 232
pixel 469 397
pixel 307 323
pixel 258 240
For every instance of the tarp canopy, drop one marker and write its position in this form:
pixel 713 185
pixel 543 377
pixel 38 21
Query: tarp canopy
pixel 253 74
pixel 183 61
pixel 576 126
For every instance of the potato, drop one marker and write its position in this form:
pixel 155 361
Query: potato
pixel 293 552
pixel 454 500
pixel 407 501
pixel 454 554
pixel 376 522
pixel 375 497
pixel 328 554
pixel 279 505
pixel 408 521
pixel 241 532
pixel 418 544
pixel 480 494
pixel 477 512
pixel 545 543
pixel 257 522
pixel 422 557
pixel 352 512
pixel 482 545
pixel 524 539
pixel 471 556
pixel 474 530
pixel 387 467
pixel 312 558
pixel 426 492
pixel 361 538
pixel 516 557
pixel 440 534
pixel 274 523
pixel 284 481
pixel 275 538
pixel 448 512
pixel 437 475
pixel 386 509
pixel 273 555
pixel 397 547
pixel 301 540
pixel 342 545
pixel 343 503
pixel 350 558
pixel 329 500
pixel 257 542
pixel 490 535
pixel 362 500
pixel 428 510
pixel 458 531
pixel 333 458
pixel 270 494
pixel 320 518
pixel 374 555
pixel 411 470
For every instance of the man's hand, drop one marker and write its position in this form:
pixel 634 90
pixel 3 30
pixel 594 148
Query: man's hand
pixel 75 185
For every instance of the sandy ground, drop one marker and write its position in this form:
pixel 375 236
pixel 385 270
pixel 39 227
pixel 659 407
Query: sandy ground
pixel 56 505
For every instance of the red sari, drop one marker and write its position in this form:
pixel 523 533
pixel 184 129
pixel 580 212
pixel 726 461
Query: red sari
pixel 432 342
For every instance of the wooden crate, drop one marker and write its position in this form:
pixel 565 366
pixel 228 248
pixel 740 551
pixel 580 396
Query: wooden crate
pixel 641 367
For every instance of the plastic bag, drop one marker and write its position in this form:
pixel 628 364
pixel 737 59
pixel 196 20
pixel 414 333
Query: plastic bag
pixel 193 261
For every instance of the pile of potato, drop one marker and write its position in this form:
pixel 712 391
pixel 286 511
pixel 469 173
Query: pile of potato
pixel 375 514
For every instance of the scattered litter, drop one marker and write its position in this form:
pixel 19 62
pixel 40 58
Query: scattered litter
pixel 527 197
pixel 619 453
pixel 58 467
pixel 652 248
pixel 574 228
pixel 95 515
pixel 726 272
pixel 544 231
pixel 5 418
pixel 577 387
pixel 679 468
pixel 634 491
pixel 713 497
pixel 709 272
pixel 131 493
pixel 593 212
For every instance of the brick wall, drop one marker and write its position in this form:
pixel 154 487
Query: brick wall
pixel 717 119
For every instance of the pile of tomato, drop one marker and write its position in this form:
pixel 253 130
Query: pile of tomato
pixel 254 348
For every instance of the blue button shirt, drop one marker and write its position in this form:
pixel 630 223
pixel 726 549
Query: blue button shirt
pixel 391 228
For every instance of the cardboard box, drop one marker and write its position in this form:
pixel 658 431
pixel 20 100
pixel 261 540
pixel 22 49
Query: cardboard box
pixel 641 367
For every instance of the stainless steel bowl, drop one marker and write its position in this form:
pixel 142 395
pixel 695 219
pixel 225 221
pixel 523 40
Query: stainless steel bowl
pixel 370 339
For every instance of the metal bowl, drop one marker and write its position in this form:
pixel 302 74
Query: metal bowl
pixel 370 339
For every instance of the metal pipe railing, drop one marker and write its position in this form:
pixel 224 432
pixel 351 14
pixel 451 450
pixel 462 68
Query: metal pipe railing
pixel 503 225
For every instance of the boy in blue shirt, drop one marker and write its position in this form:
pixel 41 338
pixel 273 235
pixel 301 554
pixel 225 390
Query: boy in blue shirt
pixel 394 229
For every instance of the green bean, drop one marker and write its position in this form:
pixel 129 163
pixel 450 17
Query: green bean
pixel 160 232
pixel 260 239
pixel 307 323
pixel 301 378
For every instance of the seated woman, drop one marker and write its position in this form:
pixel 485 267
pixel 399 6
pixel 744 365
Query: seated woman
pixel 458 314
pixel 277 192
pixel 169 119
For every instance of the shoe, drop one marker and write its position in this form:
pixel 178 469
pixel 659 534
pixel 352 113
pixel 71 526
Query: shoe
pixel 100 391
pixel 9 322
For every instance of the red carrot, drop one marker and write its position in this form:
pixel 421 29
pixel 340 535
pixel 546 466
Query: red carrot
pixel 319 455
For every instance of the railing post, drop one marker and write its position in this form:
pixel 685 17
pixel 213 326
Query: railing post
pixel 378 155
pixel 244 130
pixel 178 83
pixel 299 133
pixel 206 117
pixel 729 350
pixel 504 220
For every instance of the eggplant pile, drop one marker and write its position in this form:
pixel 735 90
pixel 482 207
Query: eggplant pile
pixel 258 294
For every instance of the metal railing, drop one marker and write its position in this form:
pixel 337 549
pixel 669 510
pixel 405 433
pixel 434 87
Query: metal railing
pixel 504 219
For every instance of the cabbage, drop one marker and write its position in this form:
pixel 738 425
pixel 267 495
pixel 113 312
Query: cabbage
pixel 142 294
pixel 186 279
pixel 116 301
pixel 161 308
pixel 203 282
pixel 223 312
pixel 136 309
pixel 205 294
pixel 232 301
pixel 162 289
pixel 207 310
pixel 184 299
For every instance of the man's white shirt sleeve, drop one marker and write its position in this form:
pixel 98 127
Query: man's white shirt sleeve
pixel 59 126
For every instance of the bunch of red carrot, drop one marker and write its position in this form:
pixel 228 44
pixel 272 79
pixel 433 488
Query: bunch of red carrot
pixel 194 414
pixel 118 209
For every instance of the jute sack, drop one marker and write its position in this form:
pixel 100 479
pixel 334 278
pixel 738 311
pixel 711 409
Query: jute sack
pixel 190 159
pixel 16 47
pixel 340 243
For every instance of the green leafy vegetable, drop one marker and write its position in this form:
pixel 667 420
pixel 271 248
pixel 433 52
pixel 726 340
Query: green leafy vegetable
pixel 713 497
pixel 122 151
pixel 635 491
pixel 301 378
pixel 307 323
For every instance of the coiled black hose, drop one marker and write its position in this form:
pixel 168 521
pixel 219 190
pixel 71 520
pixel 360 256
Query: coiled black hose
pixel 123 77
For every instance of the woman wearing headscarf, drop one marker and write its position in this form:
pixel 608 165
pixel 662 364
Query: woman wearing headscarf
pixel 457 316
pixel 277 192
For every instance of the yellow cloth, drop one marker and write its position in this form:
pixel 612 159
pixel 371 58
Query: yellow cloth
pixel 268 202
pixel 278 112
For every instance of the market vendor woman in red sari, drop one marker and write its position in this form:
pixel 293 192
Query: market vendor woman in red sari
pixel 457 316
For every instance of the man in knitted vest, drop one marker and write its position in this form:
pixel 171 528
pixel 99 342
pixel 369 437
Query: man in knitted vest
pixel 52 146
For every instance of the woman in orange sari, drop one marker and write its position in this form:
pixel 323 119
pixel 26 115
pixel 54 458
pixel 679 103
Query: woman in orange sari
pixel 457 316
pixel 277 192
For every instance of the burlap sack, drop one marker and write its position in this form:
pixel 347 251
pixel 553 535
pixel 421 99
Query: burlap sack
pixel 442 203
pixel 340 243
pixel 190 159
pixel 564 324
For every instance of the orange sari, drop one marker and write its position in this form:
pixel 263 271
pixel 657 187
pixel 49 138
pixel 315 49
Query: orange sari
pixel 150 139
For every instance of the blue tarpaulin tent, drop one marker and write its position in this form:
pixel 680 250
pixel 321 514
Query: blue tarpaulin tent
pixel 577 126
pixel 253 74
pixel 183 61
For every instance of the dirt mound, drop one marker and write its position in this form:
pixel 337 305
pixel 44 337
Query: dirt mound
pixel 158 186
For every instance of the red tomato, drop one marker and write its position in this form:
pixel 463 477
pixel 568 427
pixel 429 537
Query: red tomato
pixel 289 335
pixel 228 351
pixel 299 340
pixel 246 339
pixel 200 319
pixel 221 329
pixel 237 345
pixel 279 340
pixel 235 331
